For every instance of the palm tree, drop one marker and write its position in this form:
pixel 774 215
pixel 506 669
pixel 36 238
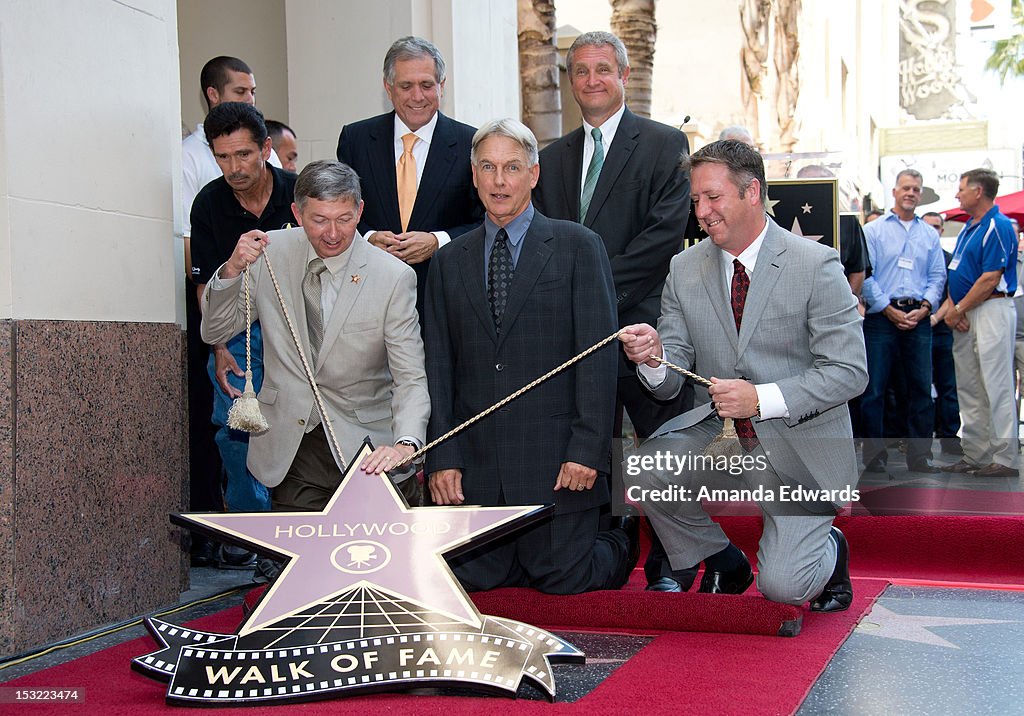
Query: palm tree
pixel 538 70
pixel 1008 55
pixel 754 16
pixel 787 68
pixel 633 22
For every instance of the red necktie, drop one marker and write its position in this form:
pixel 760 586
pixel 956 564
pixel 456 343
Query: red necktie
pixel 740 286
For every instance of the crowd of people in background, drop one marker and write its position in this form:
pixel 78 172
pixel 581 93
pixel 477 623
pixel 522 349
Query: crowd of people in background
pixel 435 268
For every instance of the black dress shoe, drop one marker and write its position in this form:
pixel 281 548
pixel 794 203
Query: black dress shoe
pixel 232 557
pixel 923 465
pixel 951 446
pixel 734 581
pixel 204 553
pixel 630 527
pixel 838 592
pixel 664 584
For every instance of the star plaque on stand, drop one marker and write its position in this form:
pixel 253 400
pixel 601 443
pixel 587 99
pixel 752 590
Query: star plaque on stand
pixel 365 602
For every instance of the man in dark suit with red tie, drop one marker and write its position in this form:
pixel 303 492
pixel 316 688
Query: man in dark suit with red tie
pixel 619 175
pixel 413 162
pixel 505 303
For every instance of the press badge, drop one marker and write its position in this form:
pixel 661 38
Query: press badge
pixel 905 263
pixel 953 264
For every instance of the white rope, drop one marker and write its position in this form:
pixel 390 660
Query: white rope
pixel 305 365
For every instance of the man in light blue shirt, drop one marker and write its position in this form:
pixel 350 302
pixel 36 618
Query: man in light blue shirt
pixel 908 275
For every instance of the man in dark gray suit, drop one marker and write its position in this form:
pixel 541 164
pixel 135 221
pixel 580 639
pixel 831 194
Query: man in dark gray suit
pixel 637 198
pixel 769 317
pixel 619 175
pixel 505 303
pixel 417 137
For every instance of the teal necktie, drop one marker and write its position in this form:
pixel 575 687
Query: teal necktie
pixel 593 172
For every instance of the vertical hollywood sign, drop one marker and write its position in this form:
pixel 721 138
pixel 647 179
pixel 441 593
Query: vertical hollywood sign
pixel 929 81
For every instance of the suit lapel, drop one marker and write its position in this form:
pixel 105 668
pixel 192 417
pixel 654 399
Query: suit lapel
pixel 572 165
pixel 713 279
pixel 533 256
pixel 766 274
pixel 618 154
pixel 471 267
pixel 382 169
pixel 440 160
pixel 347 296
pixel 296 274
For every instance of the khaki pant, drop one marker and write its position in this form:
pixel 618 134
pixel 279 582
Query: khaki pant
pixel 984 383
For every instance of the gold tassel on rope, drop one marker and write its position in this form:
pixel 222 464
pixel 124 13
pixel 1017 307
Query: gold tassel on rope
pixel 245 414
pixel 726 443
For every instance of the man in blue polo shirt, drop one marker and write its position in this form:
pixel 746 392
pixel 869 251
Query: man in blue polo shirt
pixel 980 310
pixel 908 275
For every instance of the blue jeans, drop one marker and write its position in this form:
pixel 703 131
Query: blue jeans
pixel 889 349
pixel 243 493
pixel 947 407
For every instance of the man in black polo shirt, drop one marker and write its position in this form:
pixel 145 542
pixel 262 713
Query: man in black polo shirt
pixel 250 195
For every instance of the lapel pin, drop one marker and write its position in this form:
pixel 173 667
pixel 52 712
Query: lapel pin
pixel 356 278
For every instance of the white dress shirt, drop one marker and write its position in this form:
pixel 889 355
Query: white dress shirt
pixel 773 404
pixel 608 130
pixel 424 136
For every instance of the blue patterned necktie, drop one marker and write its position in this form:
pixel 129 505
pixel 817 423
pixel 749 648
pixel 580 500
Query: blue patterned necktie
pixel 499 276
pixel 593 172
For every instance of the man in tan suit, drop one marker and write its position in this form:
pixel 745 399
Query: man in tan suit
pixel 354 309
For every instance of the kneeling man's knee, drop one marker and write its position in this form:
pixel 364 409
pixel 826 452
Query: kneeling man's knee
pixel 785 586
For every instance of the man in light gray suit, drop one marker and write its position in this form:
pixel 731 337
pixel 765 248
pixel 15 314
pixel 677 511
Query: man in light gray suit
pixel 770 318
pixel 353 307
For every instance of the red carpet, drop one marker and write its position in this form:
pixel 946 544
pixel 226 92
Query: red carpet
pixel 934 548
pixel 709 673
pixel 644 611
pixel 714 673
pixel 906 500
pixel 633 610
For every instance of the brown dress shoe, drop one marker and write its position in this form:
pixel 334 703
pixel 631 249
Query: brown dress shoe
pixel 996 470
pixel 960 467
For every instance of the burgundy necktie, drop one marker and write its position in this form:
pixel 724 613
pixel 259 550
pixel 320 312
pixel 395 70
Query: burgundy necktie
pixel 740 286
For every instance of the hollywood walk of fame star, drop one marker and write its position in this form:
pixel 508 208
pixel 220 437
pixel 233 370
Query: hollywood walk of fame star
pixel 800 232
pixel 888 624
pixel 771 206
pixel 807 208
pixel 364 536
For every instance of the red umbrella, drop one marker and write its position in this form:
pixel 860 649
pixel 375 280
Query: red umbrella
pixel 1010 204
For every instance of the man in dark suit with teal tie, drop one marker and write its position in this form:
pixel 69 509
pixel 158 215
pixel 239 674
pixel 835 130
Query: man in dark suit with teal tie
pixel 619 175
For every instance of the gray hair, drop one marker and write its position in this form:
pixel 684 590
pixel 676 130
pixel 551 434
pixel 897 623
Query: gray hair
pixel 327 180
pixel 987 179
pixel 912 173
pixel 514 130
pixel 411 48
pixel 739 133
pixel 599 38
